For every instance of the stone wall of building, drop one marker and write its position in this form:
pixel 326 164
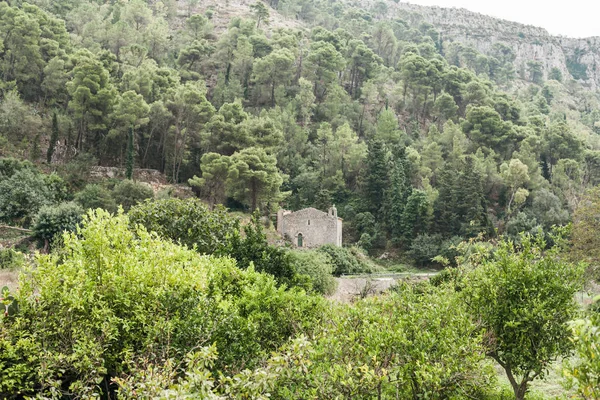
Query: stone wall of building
pixel 315 227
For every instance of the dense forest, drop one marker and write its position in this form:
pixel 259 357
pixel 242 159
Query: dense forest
pixel 380 117
pixel 431 151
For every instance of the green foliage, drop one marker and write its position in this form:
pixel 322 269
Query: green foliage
pixel 422 340
pixel 52 221
pixel 346 261
pixel 25 192
pixel 11 259
pixel 583 370
pixel 318 266
pixel 114 297
pixel 524 298
pixel 188 222
pixel 252 249
pixel 425 248
pixel 128 193
pixel 254 178
pixel 94 196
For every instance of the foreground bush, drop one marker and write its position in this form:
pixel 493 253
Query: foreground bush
pixel 346 261
pixel 11 259
pixel 110 298
pixel 409 345
pixel 188 222
pixel 318 267
pixel 52 221
pixel 583 371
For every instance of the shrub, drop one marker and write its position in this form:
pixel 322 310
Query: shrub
pixel 318 266
pixel 128 193
pixel 111 298
pixel 11 259
pixel 426 247
pixel 344 261
pixel 52 221
pixel 9 166
pixel 253 249
pixel 94 196
pixel 188 222
pixel 22 195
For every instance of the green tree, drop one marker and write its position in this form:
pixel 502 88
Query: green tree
pixel 585 239
pixel 375 180
pixel 215 169
pixel 23 194
pixel 324 63
pixel 254 178
pixel 523 300
pixel 273 70
pixel 261 13
pixel 54 220
pixel 92 98
pixel 415 216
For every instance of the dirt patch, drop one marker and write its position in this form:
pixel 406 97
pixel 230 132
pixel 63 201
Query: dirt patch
pixel 9 278
pixel 353 288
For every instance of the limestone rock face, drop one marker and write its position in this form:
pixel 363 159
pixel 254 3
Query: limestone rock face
pixel 575 58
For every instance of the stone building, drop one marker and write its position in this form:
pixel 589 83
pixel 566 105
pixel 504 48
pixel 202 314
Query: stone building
pixel 310 227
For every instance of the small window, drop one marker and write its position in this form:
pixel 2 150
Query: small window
pixel 300 240
pixel 309 222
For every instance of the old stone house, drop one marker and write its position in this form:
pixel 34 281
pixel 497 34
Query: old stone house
pixel 310 227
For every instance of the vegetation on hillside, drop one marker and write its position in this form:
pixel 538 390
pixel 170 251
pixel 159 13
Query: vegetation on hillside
pixel 430 151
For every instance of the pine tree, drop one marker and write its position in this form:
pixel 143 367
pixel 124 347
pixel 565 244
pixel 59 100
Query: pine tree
pixel 129 171
pixel 53 139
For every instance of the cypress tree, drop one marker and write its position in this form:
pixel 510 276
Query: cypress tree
pixel 129 166
pixel 397 196
pixel 376 176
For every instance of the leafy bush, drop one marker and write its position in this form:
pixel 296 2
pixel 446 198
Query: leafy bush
pixel 112 298
pixel 52 221
pixel 346 261
pixel 583 371
pixel 188 222
pixel 426 247
pixel 9 166
pixel 318 266
pixel 24 193
pixel 252 248
pixel 94 196
pixel 11 259
pixel 408 345
pixel 128 193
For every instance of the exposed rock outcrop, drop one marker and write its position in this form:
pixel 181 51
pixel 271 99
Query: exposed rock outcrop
pixel 575 58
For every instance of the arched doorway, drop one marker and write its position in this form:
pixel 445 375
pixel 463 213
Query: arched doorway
pixel 300 240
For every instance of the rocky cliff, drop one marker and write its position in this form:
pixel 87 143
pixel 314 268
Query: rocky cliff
pixel 576 58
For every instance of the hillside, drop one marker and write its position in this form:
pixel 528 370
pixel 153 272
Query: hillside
pixel 577 58
pixel 420 140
